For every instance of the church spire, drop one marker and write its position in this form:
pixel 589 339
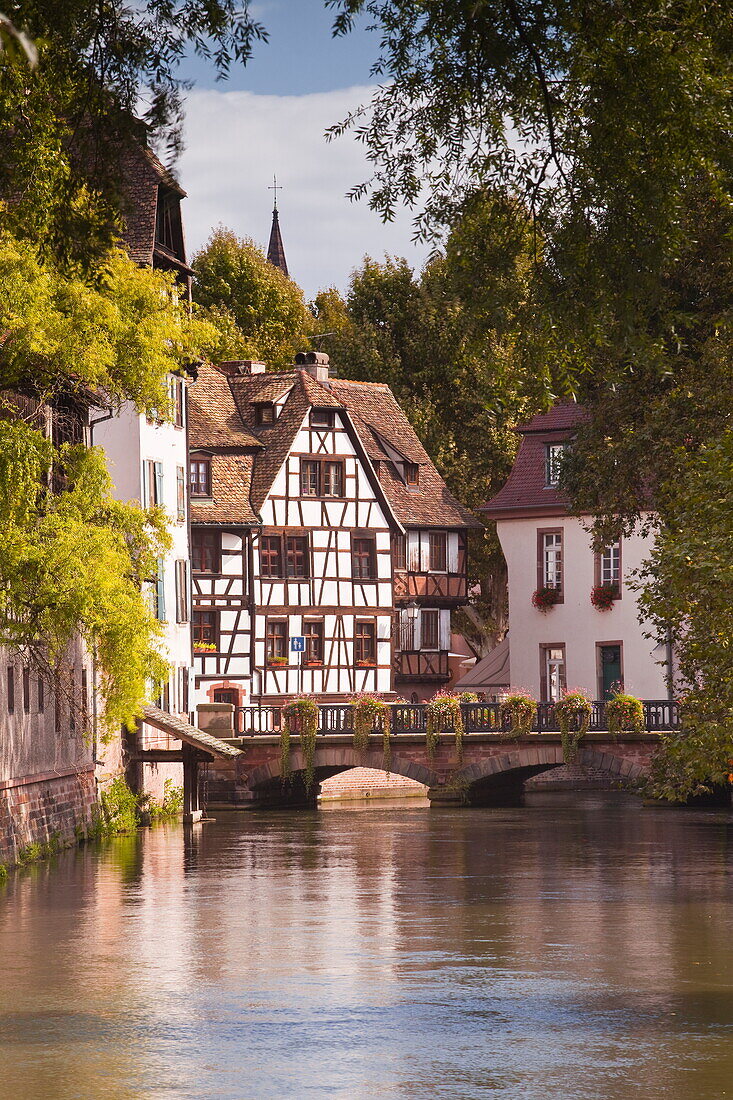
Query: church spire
pixel 275 249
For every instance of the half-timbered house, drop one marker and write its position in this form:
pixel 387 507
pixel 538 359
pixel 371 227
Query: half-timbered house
pixel 321 531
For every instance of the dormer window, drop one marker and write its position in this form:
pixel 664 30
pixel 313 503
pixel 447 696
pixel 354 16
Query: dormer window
pixel 412 473
pixel 168 222
pixel 201 477
pixel 264 413
pixel 554 453
pixel 322 418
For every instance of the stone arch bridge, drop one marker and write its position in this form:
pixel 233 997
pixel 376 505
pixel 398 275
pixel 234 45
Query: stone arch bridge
pixel 491 770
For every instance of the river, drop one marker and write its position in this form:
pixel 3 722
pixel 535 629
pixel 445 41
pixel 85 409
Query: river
pixel 580 946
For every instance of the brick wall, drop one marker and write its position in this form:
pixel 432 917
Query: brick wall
pixel 571 777
pixel 35 809
pixel 369 783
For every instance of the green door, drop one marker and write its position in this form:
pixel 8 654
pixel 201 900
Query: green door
pixel 610 670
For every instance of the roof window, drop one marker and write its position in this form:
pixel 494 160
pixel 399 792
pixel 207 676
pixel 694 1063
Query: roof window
pixel 322 418
pixel 554 454
pixel 264 412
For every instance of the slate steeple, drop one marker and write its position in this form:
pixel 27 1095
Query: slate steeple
pixel 275 249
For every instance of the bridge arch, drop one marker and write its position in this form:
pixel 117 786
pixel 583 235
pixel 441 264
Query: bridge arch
pixel 328 761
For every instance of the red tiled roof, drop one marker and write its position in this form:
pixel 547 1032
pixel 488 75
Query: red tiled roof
pixel 221 417
pixel 375 412
pixel 231 491
pixel 525 487
pixel 142 173
pixel 212 416
pixel 562 417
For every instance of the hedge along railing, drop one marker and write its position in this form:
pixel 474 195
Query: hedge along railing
pixel 410 718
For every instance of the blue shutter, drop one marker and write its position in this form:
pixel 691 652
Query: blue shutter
pixel 159 484
pixel 160 591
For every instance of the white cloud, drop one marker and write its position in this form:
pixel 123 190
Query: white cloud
pixel 234 143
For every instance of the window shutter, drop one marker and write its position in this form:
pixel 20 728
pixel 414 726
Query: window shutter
pixel 180 494
pixel 181 592
pixel 146 485
pixel 160 591
pixel 159 483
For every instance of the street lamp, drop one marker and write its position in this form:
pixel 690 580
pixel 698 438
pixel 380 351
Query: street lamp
pixel 412 609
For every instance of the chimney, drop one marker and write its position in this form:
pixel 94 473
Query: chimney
pixel 241 366
pixel 315 362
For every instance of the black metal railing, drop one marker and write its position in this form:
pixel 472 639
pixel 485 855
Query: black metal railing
pixel 410 718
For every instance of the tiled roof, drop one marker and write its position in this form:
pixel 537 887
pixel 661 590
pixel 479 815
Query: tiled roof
pixel 525 487
pixel 231 492
pixel 375 412
pixel 142 172
pixel 182 731
pixel 564 416
pixel 212 416
pixel 221 417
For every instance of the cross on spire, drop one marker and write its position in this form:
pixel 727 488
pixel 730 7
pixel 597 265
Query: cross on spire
pixel 275 186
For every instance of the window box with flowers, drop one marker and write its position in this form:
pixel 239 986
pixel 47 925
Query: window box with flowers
pixel 313 662
pixel 625 714
pixel 603 596
pixel 204 647
pixel 277 662
pixel 573 712
pixel 546 597
pixel 519 710
pixel 364 664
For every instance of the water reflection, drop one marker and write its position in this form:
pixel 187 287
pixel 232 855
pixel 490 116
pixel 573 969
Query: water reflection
pixel 578 947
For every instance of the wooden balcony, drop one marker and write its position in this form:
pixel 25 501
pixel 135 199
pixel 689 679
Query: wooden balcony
pixel 415 665
pixel 435 587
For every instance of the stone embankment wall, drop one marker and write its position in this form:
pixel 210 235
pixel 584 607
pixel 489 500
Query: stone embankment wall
pixel 41 810
pixel 47 786
pixel 368 783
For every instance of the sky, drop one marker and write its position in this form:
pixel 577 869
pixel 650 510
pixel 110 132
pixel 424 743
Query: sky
pixel 269 119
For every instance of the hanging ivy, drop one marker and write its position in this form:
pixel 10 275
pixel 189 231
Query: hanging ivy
pixel 300 716
pixel 371 714
pixel 520 709
pixel 443 712
pixel 285 768
pixel 625 714
pixel 573 713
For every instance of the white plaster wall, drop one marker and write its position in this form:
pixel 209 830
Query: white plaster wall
pixel 129 440
pixel 576 623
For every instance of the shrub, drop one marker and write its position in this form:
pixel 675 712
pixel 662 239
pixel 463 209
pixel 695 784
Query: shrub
pixel 170 807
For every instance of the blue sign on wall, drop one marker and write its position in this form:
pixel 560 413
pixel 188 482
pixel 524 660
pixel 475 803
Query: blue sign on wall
pixel 297 645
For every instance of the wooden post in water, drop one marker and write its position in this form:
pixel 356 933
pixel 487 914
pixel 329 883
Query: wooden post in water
pixel 191 811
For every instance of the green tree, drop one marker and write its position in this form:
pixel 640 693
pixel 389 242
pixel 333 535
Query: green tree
pixel 445 342
pixel 64 125
pixel 235 282
pixel 74 563
pixel 609 125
